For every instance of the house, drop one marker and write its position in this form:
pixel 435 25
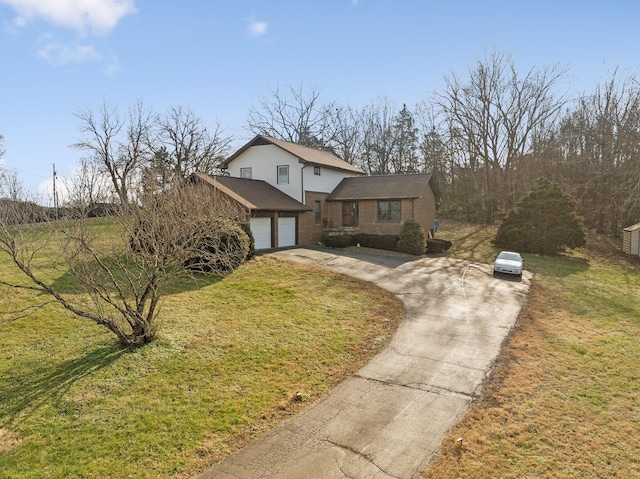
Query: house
pixel 294 194
pixel 274 217
pixel 381 204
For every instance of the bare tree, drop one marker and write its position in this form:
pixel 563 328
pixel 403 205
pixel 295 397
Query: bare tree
pixel 348 134
pixel 434 153
pixel 118 146
pixel 87 186
pixel 182 145
pixel 596 153
pixel 379 139
pixel 295 115
pixel 117 280
pixel 495 114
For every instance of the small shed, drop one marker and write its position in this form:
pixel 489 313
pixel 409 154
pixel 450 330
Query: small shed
pixel 631 240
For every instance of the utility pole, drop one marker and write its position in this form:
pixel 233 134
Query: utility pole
pixel 55 195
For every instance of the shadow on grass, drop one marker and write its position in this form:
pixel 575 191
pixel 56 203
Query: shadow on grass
pixel 182 282
pixel 473 250
pixel 24 390
pixel 559 266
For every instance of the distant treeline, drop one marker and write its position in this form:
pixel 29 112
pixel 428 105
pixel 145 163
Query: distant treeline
pixel 31 212
pixel 486 137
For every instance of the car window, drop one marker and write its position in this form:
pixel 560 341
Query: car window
pixel 510 256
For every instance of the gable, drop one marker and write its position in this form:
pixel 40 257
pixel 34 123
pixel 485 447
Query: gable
pixel 304 154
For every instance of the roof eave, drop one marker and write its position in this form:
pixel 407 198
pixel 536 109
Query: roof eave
pixel 211 180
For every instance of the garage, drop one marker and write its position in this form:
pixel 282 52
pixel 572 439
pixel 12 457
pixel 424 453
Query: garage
pixel 261 229
pixel 286 231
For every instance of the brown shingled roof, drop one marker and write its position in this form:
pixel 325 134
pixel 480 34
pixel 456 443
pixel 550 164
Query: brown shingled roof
pixel 253 194
pixel 381 187
pixel 304 153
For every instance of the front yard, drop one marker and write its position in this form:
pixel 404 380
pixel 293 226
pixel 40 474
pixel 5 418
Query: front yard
pixel 234 358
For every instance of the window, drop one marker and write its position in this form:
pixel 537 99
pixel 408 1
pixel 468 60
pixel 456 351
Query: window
pixel 389 211
pixel 316 170
pixel 283 175
pixel 317 209
pixel 245 173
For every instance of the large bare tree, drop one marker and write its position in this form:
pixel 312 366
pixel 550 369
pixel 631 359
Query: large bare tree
pixel 296 115
pixel 595 153
pixel 119 146
pixel 380 141
pixel 493 115
pixel 117 277
pixel 181 145
pixel 348 134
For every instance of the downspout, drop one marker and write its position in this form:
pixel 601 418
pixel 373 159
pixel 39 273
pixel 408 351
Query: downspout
pixel 302 195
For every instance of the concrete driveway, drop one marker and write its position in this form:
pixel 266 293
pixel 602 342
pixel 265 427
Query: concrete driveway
pixel 388 420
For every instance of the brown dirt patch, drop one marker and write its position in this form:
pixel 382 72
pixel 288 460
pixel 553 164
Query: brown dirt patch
pixel 8 440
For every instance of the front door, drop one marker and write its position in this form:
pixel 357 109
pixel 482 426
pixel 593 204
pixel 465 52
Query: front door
pixel 349 213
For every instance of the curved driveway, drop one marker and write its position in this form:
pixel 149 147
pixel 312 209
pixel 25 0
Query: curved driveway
pixel 388 420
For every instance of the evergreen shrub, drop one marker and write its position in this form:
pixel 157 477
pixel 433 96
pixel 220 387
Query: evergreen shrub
pixel 412 239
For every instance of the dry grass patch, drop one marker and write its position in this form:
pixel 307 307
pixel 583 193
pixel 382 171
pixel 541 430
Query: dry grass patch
pixel 563 398
pixel 8 440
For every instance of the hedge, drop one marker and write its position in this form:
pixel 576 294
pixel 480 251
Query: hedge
pixel 436 245
pixel 340 241
pixel 385 242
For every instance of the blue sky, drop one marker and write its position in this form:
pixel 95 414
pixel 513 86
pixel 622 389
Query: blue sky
pixel 219 57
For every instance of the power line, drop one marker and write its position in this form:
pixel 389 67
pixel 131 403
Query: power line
pixel 7 167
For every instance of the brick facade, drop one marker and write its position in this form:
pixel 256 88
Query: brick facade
pixel 309 227
pixel 423 210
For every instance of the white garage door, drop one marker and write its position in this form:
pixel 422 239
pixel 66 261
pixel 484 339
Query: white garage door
pixel 286 232
pixel 261 229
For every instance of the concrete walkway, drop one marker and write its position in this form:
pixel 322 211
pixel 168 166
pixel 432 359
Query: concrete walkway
pixel 388 420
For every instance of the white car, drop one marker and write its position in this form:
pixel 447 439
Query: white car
pixel 508 262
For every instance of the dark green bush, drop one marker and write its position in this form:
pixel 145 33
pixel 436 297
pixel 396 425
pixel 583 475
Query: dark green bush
pixel 340 241
pixel 544 222
pixel 224 249
pixel 385 242
pixel 436 245
pixel 246 227
pixel 412 239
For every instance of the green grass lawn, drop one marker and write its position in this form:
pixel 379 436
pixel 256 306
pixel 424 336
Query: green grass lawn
pixel 564 399
pixel 233 354
pixel 234 358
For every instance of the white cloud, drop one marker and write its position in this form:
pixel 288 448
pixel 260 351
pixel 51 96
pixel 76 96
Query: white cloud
pixel 257 28
pixel 57 53
pixel 96 16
